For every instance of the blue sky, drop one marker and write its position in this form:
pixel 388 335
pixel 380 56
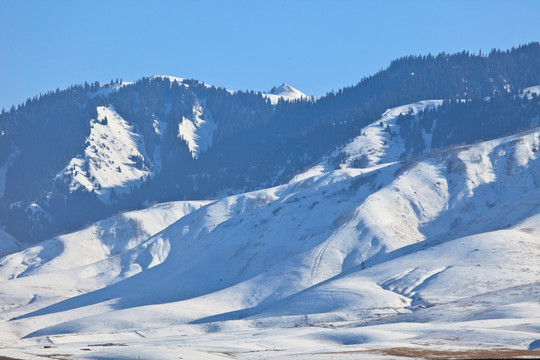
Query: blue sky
pixel 316 46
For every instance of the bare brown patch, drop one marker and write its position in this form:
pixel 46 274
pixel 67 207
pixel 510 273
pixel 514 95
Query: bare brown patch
pixel 423 353
pixel 57 356
pixel 466 354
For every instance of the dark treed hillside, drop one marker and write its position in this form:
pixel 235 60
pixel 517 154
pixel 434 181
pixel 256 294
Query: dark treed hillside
pixel 467 121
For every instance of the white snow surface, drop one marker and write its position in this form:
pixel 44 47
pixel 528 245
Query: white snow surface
pixel 182 81
pixel 440 252
pixel 198 130
pixel 178 80
pixel 108 88
pixel 284 92
pixel 380 147
pixel 528 92
pixel 8 244
pixel 114 158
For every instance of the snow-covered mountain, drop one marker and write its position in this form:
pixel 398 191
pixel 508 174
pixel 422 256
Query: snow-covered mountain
pixel 284 92
pixel 169 138
pixel 436 252
pixel 369 223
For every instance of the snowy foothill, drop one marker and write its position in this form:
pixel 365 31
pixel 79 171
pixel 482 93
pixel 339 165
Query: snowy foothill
pixel 412 258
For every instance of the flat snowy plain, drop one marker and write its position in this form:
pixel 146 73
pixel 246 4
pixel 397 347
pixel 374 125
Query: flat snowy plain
pixel 435 256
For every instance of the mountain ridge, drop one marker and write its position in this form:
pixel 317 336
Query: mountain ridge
pixel 198 135
pixel 416 250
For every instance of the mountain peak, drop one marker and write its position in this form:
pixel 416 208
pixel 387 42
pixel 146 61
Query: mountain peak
pixel 284 88
pixel 285 92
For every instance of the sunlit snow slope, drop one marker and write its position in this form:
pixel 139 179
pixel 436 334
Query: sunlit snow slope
pixel 114 158
pixel 198 130
pixel 437 252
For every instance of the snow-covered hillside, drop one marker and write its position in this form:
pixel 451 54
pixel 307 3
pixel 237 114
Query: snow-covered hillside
pixel 438 253
pixel 179 80
pixel 97 242
pixel 114 158
pixel 106 89
pixel 528 92
pixel 198 130
pixel 378 144
pixel 8 244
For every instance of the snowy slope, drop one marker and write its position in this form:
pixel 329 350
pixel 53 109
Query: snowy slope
pixel 528 92
pixel 284 92
pixel 417 253
pixel 378 144
pixel 114 158
pixel 197 131
pixel 179 80
pixel 97 242
pixel 106 89
pixel 8 244
pixel 176 79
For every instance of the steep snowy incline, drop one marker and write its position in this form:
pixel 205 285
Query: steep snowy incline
pixel 8 244
pixel 198 130
pixel 114 158
pixel 378 144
